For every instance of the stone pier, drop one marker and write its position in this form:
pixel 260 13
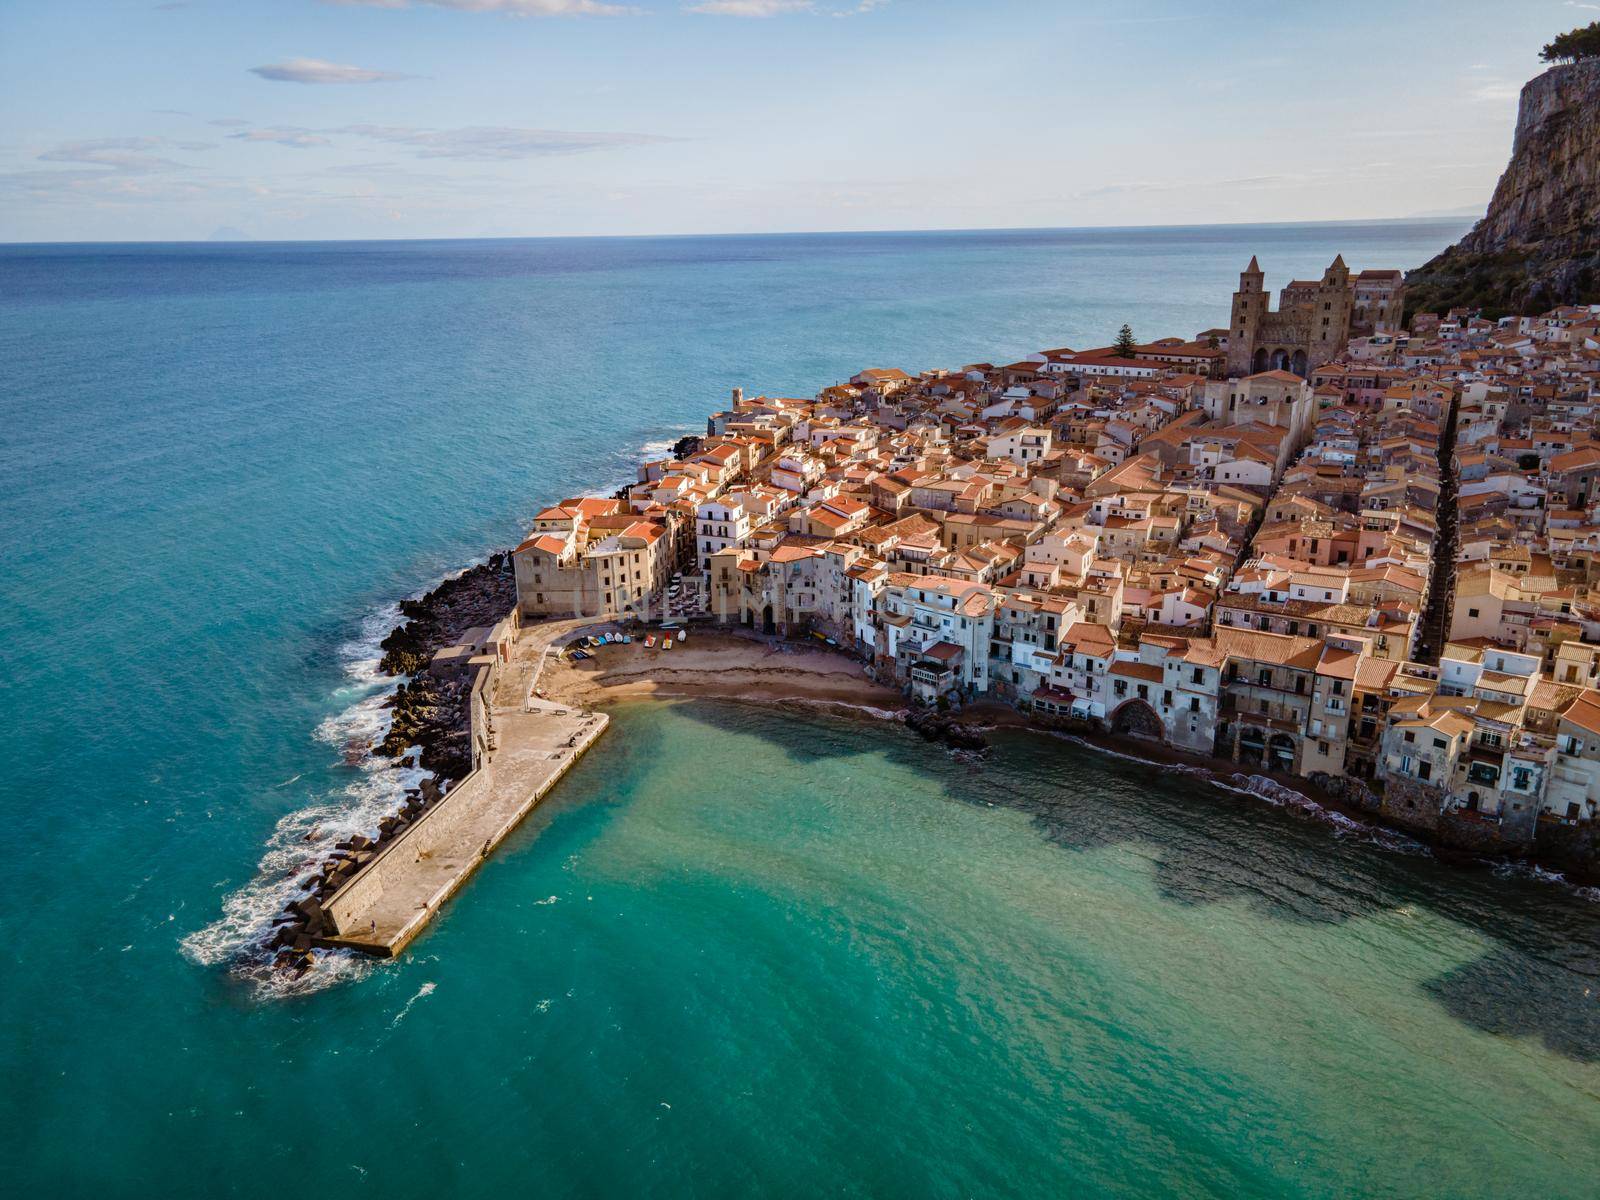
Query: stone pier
pixel 528 745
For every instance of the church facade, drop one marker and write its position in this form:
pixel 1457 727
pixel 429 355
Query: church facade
pixel 1314 318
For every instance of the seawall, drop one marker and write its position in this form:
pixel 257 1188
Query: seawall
pixel 521 749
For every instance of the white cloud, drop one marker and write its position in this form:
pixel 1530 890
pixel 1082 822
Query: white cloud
pixel 314 70
pixel 749 8
pixel 1496 90
pixel 298 138
pixel 515 8
pixel 123 156
pixel 487 143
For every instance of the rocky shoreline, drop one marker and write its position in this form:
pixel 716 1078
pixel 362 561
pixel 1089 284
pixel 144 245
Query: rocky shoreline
pixel 429 714
pixel 934 726
pixel 1461 842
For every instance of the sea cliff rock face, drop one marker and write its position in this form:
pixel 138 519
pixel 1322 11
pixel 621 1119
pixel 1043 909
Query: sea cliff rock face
pixel 1539 243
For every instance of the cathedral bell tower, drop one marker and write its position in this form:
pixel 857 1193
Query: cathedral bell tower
pixel 1330 318
pixel 1249 306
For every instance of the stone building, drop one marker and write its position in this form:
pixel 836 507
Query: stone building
pixel 589 557
pixel 1314 318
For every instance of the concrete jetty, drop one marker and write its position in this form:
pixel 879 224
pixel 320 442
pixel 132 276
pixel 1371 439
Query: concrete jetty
pixel 522 747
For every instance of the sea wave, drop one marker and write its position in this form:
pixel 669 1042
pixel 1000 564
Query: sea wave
pixel 1522 870
pixel 628 463
pixel 304 839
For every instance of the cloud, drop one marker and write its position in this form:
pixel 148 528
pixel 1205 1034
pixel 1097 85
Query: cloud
pixel 230 122
pixel 749 8
pixel 314 70
pixel 298 138
pixel 514 8
pixel 487 143
pixel 1496 90
pixel 121 156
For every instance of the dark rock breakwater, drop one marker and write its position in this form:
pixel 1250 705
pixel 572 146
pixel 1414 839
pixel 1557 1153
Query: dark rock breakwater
pixel 480 595
pixel 428 713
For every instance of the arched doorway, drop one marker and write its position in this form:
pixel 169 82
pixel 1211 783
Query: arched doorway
pixel 1280 359
pixel 1298 364
pixel 767 625
pixel 1137 719
pixel 1259 363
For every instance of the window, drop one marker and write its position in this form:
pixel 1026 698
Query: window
pixel 1472 612
pixel 1409 736
pixel 1194 704
pixel 1438 743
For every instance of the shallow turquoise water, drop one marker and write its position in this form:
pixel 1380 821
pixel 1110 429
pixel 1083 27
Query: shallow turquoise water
pixel 816 942
pixel 748 952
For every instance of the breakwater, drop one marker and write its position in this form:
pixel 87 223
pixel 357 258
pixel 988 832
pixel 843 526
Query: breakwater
pixel 495 749
pixel 380 894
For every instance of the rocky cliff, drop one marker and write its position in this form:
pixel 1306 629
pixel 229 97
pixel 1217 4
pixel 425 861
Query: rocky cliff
pixel 1539 243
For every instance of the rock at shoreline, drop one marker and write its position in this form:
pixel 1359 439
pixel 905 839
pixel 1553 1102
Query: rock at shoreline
pixel 433 714
pixel 943 727
pixel 480 595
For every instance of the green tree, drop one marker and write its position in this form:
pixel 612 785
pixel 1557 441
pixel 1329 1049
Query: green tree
pixel 1574 45
pixel 1124 342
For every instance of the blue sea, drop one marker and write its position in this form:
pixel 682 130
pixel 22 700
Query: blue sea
pixel 741 952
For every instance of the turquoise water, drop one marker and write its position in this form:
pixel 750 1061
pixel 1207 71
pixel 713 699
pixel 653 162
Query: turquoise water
pixel 223 463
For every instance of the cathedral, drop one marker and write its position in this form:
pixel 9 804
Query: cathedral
pixel 1314 319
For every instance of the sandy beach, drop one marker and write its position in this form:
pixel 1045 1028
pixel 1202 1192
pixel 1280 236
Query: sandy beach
pixel 715 664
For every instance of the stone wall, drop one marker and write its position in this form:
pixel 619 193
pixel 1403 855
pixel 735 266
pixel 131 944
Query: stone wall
pixel 436 825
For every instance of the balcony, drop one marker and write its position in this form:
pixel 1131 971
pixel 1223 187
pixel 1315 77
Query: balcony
pixel 1279 720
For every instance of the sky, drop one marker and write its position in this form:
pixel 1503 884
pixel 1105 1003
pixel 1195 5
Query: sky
pixel 127 120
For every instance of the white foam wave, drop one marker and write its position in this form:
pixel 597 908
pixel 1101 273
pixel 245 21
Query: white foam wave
pixel 423 992
pixel 658 449
pixel 304 839
pixel 1521 870
pixel 647 451
pixel 842 706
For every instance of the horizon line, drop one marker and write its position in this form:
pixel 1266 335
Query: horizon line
pixel 514 237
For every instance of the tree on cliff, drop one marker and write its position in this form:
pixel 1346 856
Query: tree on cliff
pixel 1124 343
pixel 1574 45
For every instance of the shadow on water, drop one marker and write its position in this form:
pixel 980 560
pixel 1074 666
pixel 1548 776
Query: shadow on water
pixel 1207 845
pixel 1516 993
